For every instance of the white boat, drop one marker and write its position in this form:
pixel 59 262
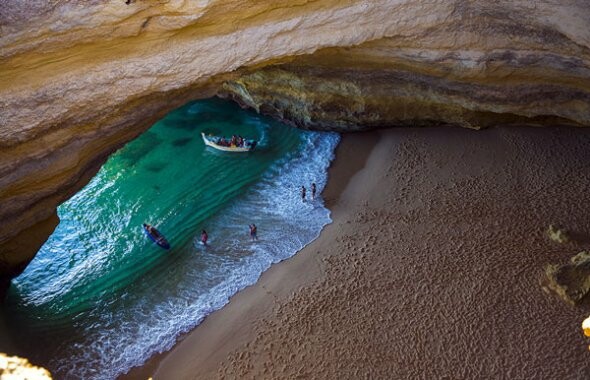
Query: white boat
pixel 213 142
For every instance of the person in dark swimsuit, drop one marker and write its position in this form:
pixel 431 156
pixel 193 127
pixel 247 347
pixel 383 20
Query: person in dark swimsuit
pixel 253 231
pixel 303 193
pixel 204 237
pixel 313 191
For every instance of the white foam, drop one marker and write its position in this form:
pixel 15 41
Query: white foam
pixel 148 319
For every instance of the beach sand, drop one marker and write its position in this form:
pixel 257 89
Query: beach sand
pixel 431 268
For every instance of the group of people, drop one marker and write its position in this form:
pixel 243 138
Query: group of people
pixel 252 227
pixel 235 141
pixel 253 232
pixel 304 192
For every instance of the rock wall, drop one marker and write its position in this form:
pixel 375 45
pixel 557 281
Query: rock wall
pixel 13 367
pixel 80 78
pixel 570 281
pixel 422 80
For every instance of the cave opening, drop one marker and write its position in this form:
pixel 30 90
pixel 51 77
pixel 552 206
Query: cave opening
pixel 101 284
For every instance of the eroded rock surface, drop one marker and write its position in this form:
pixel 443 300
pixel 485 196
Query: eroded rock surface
pixel 570 281
pixel 429 78
pixel 13 367
pixel 80 78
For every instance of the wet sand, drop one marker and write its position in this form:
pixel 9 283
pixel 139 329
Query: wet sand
pixel 431 268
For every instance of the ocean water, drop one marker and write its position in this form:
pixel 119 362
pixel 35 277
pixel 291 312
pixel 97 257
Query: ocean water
pixel 100 297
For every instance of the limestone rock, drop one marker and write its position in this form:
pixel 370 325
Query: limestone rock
pixel 586 326
pixel 78 79
pixel 385 83
pixel 13 367
pixel 570 281
pixel 558 235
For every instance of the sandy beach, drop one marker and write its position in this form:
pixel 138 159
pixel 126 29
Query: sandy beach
pixel 431 268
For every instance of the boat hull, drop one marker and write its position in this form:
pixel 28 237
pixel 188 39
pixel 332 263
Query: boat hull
pixel 235 149
pixel 160 241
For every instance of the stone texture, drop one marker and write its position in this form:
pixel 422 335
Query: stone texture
pixel 379 84
pixel 558 235
pixel 80 78
pixel 570 281
pixel 13 367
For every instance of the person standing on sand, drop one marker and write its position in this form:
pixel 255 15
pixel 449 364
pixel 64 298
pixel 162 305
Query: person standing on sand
pixel 303 193
pixel 313 191
pixel 253 231
pixel 204 237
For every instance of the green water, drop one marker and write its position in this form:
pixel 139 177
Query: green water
pixel 171 180
pixel 101 297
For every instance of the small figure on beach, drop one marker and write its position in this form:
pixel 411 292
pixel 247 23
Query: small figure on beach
pixel 204 237
pixel 313 191
pixel 253 231
pixel 303 193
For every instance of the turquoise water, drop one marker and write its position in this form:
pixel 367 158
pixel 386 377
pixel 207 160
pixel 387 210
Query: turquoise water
pixel 100 297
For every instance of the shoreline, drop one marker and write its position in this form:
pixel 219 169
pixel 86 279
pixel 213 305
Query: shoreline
pixel 430 268
pixel 339 174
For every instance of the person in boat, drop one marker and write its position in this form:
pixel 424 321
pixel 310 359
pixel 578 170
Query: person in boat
pixel 313 191
pixel 204 237
pixel 253 231
pixel 234 140
pixel 240 141
pixel 303 193
pixel 152 231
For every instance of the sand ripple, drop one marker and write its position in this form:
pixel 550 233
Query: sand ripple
pixel 431 268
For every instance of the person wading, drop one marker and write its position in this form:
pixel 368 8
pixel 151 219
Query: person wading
pixel 253 231
pixel 204 237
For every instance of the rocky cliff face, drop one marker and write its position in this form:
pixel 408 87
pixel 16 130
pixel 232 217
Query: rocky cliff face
pixel 13 367
pixel 480 65
pixel 80 78
pixel 570 281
